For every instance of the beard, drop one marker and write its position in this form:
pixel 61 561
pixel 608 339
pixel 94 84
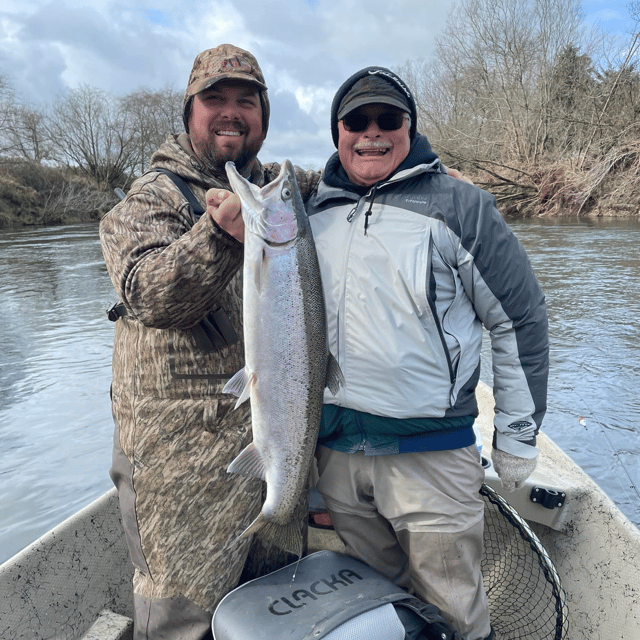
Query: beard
pixel 214 159
pixel 214 155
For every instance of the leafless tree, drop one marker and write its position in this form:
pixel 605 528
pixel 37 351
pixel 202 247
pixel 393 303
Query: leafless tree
pixel 152 115
pixel 26 133
pixel 488 96
pixel 90 132
pixel 634 12
pixel 617 111
pixel 7 105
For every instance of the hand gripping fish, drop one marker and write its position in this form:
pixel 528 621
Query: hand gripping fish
pixel 287 362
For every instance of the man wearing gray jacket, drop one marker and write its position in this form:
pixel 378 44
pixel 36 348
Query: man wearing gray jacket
pixel 414 263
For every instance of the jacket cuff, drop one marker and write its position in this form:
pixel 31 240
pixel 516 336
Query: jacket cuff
pixel 508 444
pixel 219 232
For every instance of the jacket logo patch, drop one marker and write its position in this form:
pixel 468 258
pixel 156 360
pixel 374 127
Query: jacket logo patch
pixel 519 426
pixel 414 199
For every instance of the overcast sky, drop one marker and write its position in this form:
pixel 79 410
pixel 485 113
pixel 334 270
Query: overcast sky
pixel 306 49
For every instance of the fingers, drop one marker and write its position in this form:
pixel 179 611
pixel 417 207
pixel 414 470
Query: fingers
pixel 224 208
pixel 456 174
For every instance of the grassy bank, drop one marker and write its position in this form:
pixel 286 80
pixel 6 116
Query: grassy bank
pixel 606 187
pixel 31 194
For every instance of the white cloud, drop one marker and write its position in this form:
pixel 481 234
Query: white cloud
pixel 306 49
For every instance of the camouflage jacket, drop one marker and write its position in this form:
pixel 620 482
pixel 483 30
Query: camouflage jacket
pixel 176 428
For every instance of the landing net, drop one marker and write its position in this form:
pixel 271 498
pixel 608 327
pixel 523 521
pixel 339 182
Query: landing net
pixel 525 597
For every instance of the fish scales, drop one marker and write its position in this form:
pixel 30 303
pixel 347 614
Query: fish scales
pixel 287 363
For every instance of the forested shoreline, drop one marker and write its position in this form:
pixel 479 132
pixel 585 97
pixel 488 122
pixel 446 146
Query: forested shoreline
pixel 517 96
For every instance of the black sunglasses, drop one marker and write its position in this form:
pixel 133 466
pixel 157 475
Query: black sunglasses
pixel 389 121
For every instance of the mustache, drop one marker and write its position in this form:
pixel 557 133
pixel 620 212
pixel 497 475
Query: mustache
pixel 372 144
pixel 229 125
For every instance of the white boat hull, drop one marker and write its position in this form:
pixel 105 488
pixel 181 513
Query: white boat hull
pixel 75 581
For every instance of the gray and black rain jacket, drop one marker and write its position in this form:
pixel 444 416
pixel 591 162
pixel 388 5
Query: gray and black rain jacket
pixel 412 269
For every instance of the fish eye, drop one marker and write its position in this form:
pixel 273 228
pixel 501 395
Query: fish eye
pixel 286 192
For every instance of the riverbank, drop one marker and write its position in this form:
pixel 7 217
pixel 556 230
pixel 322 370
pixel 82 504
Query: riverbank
pixel 32 194
pixel 601 187
pixel 605 187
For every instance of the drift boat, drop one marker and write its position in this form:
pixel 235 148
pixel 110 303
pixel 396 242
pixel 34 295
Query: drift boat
pixel 561 562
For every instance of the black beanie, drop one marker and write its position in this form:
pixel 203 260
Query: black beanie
pixel 392 78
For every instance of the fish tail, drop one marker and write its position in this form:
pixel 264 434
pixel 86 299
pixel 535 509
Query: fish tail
pixel 286 536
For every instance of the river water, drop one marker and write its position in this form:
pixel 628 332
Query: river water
pixel 55 352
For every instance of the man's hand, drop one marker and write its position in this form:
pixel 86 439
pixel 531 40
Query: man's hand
pixel 512 470
pixel 224 208
pixel 454 173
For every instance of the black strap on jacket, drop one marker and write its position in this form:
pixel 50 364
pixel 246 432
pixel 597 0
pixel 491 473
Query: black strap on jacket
pixel 213 332
pixel 196 207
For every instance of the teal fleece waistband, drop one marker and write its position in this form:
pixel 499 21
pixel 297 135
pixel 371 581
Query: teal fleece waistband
pixel 348 430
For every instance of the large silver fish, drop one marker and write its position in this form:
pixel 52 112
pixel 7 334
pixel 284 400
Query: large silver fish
pixel 287 362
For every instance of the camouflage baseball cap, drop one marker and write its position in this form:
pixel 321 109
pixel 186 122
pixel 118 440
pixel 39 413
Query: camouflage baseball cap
pixel 225 62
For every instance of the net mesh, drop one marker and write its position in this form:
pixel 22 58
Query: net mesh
pixel 525 597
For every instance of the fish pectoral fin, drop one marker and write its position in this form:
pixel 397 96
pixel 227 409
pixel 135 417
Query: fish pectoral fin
pixel 334 379
pixel 236 383
pixel 240 386
pixel 248 463
pixel 246 392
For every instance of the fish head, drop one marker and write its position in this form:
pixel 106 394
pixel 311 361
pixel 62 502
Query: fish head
pixel 274 212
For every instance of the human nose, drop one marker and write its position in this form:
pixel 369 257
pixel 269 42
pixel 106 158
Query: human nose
pixel 372 130
pixel 229 110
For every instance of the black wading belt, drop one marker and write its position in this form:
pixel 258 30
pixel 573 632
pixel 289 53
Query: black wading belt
pixel 213 332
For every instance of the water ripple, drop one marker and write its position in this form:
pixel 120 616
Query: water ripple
pixel 55 355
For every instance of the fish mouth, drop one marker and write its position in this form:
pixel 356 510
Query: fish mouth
pixel 372 148
pixel 269 212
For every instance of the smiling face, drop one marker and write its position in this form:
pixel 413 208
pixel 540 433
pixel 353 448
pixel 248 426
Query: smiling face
pixel 225 124
pixel 373 154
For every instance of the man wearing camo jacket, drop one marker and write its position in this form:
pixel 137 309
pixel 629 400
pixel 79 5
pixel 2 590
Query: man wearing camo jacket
pixel 178 337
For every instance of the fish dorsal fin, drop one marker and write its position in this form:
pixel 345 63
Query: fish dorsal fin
pixel 248 463
pixel 334 379
pixel 240 385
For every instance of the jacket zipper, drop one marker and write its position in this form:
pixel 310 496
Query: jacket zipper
pixel 343 288
pixel 352 213
pixel 436 321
